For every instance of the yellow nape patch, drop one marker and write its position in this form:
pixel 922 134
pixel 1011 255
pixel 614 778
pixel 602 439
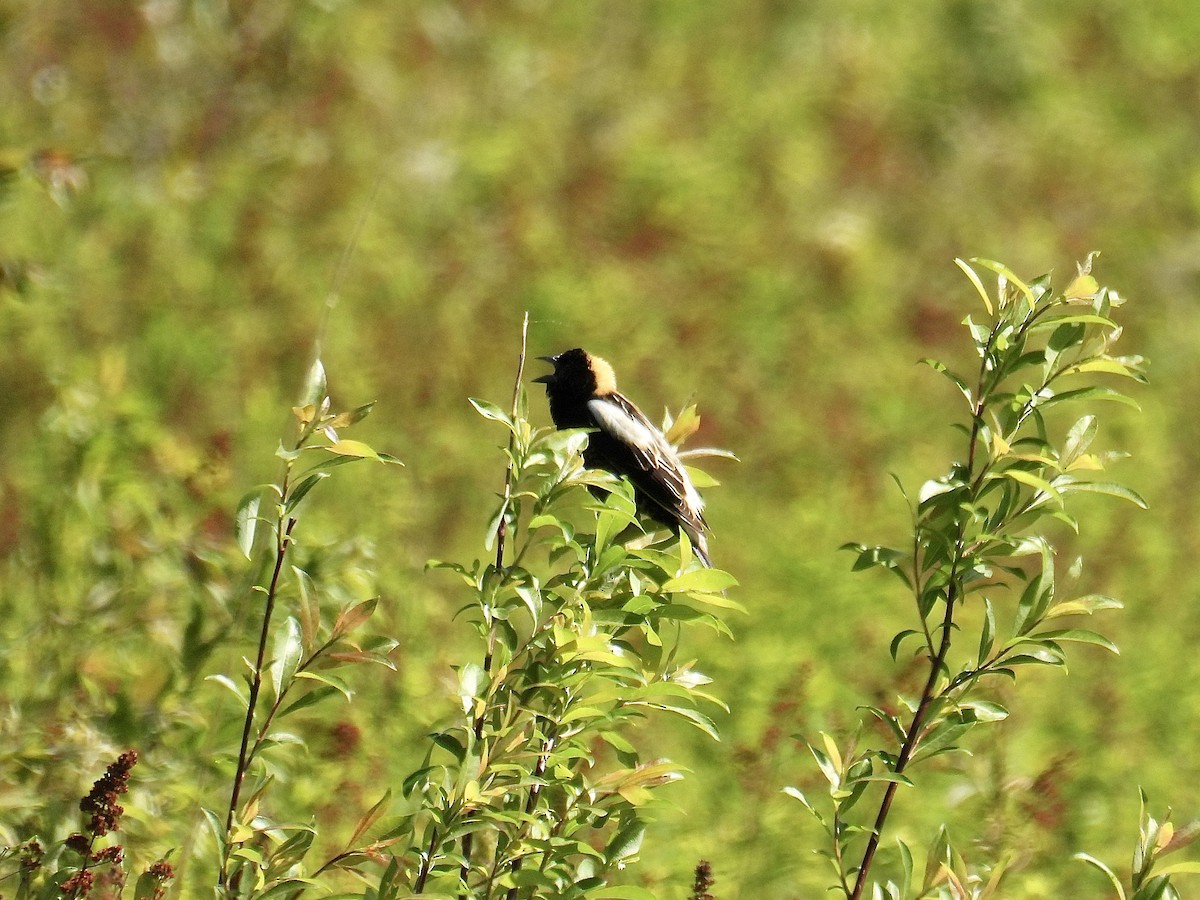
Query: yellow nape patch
pixel 606 378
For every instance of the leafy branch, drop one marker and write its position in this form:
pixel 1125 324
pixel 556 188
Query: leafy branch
pixel 536 789
pixel 976 534
pixel 303 651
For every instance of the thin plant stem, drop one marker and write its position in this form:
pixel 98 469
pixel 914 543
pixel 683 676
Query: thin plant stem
pixel 501 541
pixel 539 772
pixel 938 661
pixel 910 741
pixel 427 862
pixel 282 545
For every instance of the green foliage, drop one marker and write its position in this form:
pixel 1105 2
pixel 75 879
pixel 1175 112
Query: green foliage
pixel 1148 880
pixel 259 856
pixel 980 538
pixel 752 204
pixel 537 789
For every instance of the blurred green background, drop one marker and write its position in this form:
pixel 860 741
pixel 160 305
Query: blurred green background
pixel 754 205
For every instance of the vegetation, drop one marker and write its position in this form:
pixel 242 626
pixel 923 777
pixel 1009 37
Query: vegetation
pixel 752 208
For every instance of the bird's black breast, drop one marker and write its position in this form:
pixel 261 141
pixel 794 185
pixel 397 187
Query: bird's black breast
pixel 569 410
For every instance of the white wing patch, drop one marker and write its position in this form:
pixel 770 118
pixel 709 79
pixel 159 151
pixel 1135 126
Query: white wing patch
pixel 626 422
pixel 620 424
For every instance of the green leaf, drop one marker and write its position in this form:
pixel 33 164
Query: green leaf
pixel 1079 438
pixel 704 581
pixel 891 721
pixel 300 491
pixel 356 449
pixel 986 710
pixel 472 681
pixel 1083 286
pixel 217 827
pixel 291 851
pixel 227 682
pixel 1180 868
pixel 331 680
pixel 983 295
pixel 245 521
pixel 310 608
pixel 371 816
pixel 900 638
pixel 1104 364
pixel 906 865
pixel 695 717
pixel 1085 605
pixel 797 794
pixel 1028 478
pixel 1006 274
pixel 1078 635
pixel 1112 876
pixel 346 419
pixel 1066 484
pixel 701 479
pixel 315 387
pixel 939 855
pixel 827 767
pixel 307 699
pixel 1092 392
pixel 491 411
pixel 987 634
pixel 1077 319
pixel 287 654
pixel 717 601
pixel 627 842
pixel 957 380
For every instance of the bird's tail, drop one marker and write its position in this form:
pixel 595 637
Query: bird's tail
pixel 699 546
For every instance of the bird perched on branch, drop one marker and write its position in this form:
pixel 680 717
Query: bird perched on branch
pixel 582 391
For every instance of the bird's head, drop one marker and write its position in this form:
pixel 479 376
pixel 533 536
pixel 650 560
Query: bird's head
pixel 578 372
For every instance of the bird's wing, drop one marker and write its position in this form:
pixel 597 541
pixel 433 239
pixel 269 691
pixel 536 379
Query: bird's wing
pixel 616 415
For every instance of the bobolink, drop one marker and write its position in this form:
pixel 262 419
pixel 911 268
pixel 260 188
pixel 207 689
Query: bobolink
pixel 582 391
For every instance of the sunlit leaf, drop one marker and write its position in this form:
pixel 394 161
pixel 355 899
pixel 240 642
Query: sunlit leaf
pixel 1091 392
pixel 346 419
pixel 1081 287
pixel 314 384
pixel 1112 489
pixel 246 521
pixel 1109 873
pixel 683 427
pixel 1085 605
pixel 1079 635
pixel 983 295
pixel 331 680
pixel 356 449
pixel 491 411
pixel 707 581
pixel 289 649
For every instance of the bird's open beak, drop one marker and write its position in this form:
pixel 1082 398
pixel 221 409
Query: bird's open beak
pixel 546 379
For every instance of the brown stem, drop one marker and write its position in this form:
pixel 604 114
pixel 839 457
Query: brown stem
pixel 426 863
pixel 256 683
pixel 535 789
pixel 936 663
pixel 910 740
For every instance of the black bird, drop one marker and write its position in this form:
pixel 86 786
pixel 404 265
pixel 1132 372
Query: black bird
pixel 582 391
